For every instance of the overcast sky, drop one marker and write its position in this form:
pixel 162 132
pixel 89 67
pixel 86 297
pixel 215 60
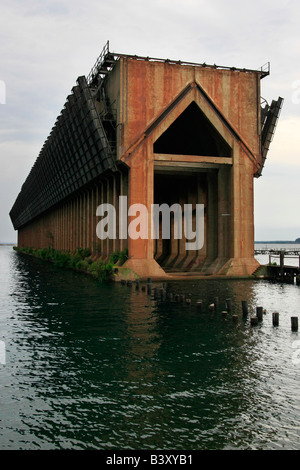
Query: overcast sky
pixel 46 44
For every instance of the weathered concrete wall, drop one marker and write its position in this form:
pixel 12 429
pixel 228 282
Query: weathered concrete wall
pixel 154 95
pixel 148 88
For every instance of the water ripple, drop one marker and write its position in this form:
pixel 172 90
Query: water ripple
pixel 106 367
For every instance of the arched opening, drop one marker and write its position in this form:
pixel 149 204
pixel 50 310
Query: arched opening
pixel 192 134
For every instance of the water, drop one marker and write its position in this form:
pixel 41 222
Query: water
pixel 106 367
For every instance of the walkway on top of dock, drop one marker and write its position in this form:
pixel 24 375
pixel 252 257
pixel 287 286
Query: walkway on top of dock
pixel 287 252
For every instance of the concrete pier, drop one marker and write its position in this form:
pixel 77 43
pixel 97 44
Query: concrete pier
pixel 156 132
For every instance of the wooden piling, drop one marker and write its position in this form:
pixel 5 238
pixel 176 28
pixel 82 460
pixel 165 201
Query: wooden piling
pixel 199 305
pixel 235 318
pixel 275 317
pixel 163 294
pixel 245 308
pixel 294 323
pixel 254 321
pixel 259 312
pixel 229 305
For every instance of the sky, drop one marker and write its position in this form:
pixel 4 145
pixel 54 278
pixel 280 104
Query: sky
pixel 46 44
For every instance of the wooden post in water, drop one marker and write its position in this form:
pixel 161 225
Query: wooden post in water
pixel 245 308
pixel 281 264
pixel 294 321
pixel 259 312
pixel 229 305
pixel 163 294
pixel 199 305
pixel 275 316
pixel 254 321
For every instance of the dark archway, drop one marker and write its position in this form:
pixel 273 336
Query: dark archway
pixel 192 134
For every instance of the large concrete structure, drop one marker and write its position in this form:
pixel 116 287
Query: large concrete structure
pixel 156 131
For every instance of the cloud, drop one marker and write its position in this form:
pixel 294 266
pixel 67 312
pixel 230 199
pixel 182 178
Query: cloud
pixel 17 158
pixel 277 196
pixel 285 147
pixel 47 44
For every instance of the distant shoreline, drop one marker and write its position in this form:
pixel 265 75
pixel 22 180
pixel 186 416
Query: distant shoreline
pixel 279 242
pixel 286 242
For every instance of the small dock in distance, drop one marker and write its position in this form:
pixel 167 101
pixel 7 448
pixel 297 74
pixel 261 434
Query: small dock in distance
pixel 278 267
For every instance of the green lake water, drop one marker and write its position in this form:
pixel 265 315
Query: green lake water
pixel 91 366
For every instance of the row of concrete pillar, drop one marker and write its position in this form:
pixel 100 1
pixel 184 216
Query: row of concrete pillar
pixel 73 223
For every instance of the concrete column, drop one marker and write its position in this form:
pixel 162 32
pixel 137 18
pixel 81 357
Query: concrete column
pixel 82 227
pixel 225 247
pixel 94 239
pixel 62 236
pixel 201 199
pixel 85 218
pixel 72 225
pixel 99 243
pixel 76 222
pixel 124 192
pixel 69 226
pixel 182 241
pixel 212 218
pixel 141 191
pixel 103 200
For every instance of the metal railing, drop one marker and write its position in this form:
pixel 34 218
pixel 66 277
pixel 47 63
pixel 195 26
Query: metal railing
pixel 265 69
pixel 96 69
pixel 99 62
